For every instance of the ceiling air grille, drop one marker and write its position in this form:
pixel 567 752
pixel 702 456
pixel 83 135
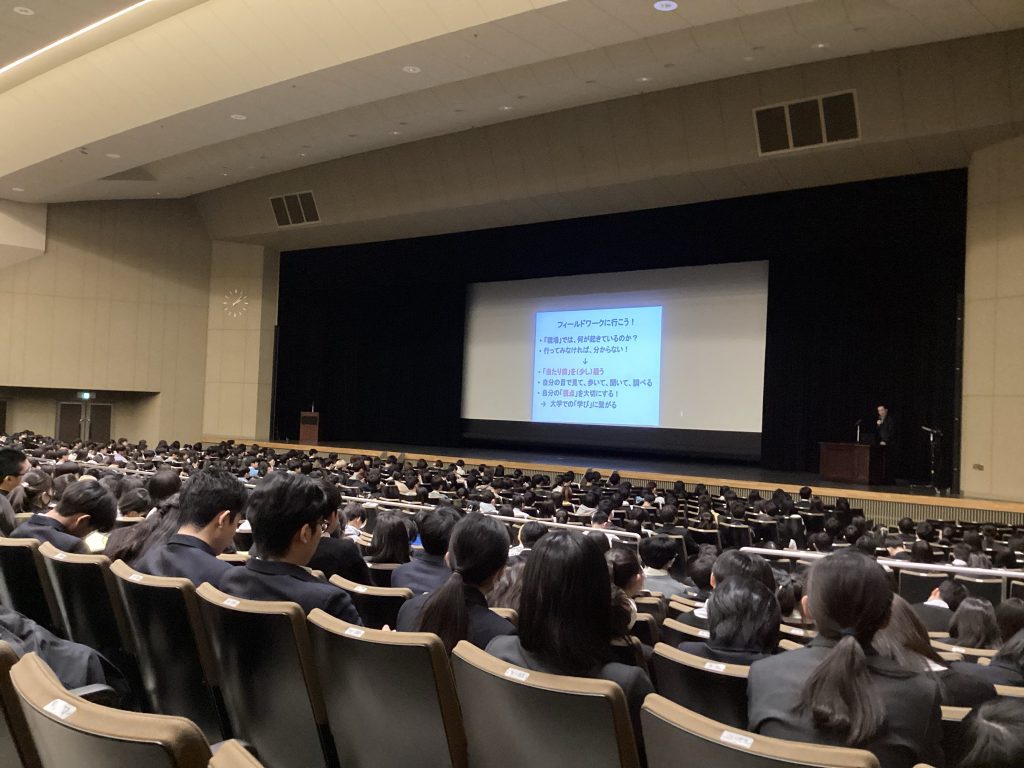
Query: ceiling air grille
pixel 807 123
pixel 297 208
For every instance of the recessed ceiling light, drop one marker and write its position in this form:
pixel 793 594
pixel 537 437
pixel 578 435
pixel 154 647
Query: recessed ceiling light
pixel 113 155
pixel 643 79
pixel 225 173
pixel 665 5
pixel 505 108
pixel 17 189
pixel 159 193
pixel 748 58
pixel 396 133
pixel 302 154
pixel 821 45
pixel 23 10
pixel 239 117
pixel 411 69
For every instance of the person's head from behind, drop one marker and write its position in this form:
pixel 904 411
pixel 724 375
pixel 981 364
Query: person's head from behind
pixel 134 502
pixel 1010 617
pixel 993 736
pixel 849 598
pixel 288 512
pixel 658 552
pixel 951 592
pixel 85 507
pixel 921 552
pixel 699 571
pixel 905 639
pixel 477 552
pixel 819 542
pixel 564 614
pixel 435 528
pixel 211 505
pixel 390 539
pixel 163 484
pixel 530 534
pixel 926 532
pixel 354 514
pixel 744 615
pixel 624 568
pixel 735 563
pixel 13 466
pixel 974 624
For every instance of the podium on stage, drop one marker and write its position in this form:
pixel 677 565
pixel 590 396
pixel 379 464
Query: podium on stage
pixel 309 427
pixel 852 463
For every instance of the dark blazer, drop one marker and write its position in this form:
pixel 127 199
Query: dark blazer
pixel 910 733
pixel 998 672
pixel 886 431
pixel 183 557
pixel 274 580
pixel 424 573
pixel 693 621
pixel 484 624
pixel 960 689
pixel 43 528
pixel 7 519
pixel 934 617
pixel 340 557
pixel 724 655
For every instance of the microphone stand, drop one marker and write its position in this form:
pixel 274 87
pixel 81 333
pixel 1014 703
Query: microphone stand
pixel 934 440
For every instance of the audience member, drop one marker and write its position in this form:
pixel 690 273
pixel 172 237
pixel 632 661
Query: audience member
pixel 993 735
pixel 83 508
pixel 529 534
pixel 391 541
pixel 743 620
pixel 974 625
pixel 658 553
pixel 1010 617
pixel 625 571
pixel 13 466
pixel 427 571
pixel 937 611
pixel 1005 668
pixel 336 555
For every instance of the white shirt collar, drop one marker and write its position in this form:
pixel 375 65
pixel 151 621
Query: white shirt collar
pixel 938 602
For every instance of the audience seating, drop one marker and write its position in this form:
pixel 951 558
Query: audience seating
pixel 713 689
pixel 952 733
pixel 25 586
pixel 706 536
pixel 377 606
pixel 671 731
pixel 797 634
pixel 1016 588
pixel 988 589
pixel 390 696
pixel 380 573
pixel 1015 691
pixel 16 747
pixel 655 606
pixel 645 629
pixel 69 730
pixel 268 679
pixel 511 615
pixel 675 632
pixel 173 650
pixel 231 754
pixel 509 715
pixel 235 558
pixel 969 654
pixel 916 587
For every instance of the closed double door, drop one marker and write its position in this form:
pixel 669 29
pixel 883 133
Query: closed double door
pixel 89 422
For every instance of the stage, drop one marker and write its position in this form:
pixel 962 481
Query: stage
pixel 884 504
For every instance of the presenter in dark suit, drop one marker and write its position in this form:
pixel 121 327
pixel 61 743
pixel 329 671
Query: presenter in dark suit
pixel 885 436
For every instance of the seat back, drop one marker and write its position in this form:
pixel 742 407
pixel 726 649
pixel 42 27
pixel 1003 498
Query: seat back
pixel 645 629
pixel 915 587
pixel 953 745
pixel 1016 588
pixel 266 673
pixel 675 632
pixel 377 606
pixel 504 707
pixel 16 747
pixel 380 573
pixel 172 648
pixel 24 584
pixel 711 688
pixel 968 654
pixel 797 634
pixel 987 589
pixel 231 754
pixel 671 730
pixel 397 678
pixel 69 730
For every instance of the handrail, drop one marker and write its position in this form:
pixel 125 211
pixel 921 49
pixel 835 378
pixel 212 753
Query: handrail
pixel 962 570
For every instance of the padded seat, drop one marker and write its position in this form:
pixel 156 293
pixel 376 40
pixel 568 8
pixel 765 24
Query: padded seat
pixel 231 754
pixel 377 606
pixel 671 731
pixel 24 584
pixel 916 586
pixel 987 589
pixel 16 747
pixel 518 717
pixel 266 672
pixel 645 629
pixel 797 634
pixel 710 688
pixel 173 650
pixel 71 731
pixel 408 712
pixel 675 632
pixel 380 573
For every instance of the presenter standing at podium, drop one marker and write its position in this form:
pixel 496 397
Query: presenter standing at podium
pixel 885 435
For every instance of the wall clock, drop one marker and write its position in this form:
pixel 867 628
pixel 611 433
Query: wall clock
pixel 235 303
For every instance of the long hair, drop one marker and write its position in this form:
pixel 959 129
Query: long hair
pixel 974 624
pixel 564 614
pixel 390 540
pixel 850 600
pixel 743 614
pixel 905 639
pixel 477 550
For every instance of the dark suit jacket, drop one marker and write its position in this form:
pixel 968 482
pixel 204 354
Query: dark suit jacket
pixel 724 655
pixel 886 432
pixel 934 617
pixel 7 519
pixel 424 573
pixel 484 624
pixel 183 557
pixel 912 729
pixel 43 528
pixel 693 621
pixel 274 580
pixel 998 672
pixel 960 689
pixel 340 557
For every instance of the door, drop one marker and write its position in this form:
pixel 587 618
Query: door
pixel 70 422
pixel 97 420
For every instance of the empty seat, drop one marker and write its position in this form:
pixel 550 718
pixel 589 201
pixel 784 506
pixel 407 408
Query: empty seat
pixel 24 584
pixel 987 589
pixel 69 730
pixel 915 586
pixel 1017 588
pixel 711 688
pixel 671 731
pixel 408 712
pixel 266 673
pixel 173 650
pixel 231 754
pixel 512 716
pixel 377 606
pixel 16 747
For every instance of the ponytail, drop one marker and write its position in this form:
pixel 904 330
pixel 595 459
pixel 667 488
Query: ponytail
pixel 445 612
pixel 839 695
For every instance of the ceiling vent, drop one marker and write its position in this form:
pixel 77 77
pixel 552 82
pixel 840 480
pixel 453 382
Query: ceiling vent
pixel 806 123
pixel 297 208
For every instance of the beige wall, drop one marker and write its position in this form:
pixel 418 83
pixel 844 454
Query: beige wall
pixel 242 313
pixel 22 231
pixel 992 450
pixel 118 302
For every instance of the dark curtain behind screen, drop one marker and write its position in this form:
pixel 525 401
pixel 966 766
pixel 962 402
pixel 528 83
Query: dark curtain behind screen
pixel 863 287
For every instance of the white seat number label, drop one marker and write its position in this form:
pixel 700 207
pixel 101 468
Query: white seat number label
pixel 61 709
pixel 736 738
pixel 516 674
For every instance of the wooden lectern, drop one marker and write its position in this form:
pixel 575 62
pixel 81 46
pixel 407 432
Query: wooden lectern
pixel 853 463
pixel 309 427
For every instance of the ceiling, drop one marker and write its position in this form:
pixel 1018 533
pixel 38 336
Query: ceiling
pixel 151 99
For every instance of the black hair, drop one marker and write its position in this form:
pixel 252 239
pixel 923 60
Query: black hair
pixel 390 539
pixel 906 525
pixel 805 492
pixel 563 613
pixel 623 566
pixel 208 493
pixel 1010 617
pixel 735 563
pixel 435 527
pixel 819 542
pixel 744 615
pixel 11 460
pixel 993 735
pixel 477 551
pixel 658 551
pixel 89 498
pixel 530 533
pixel 280 506
pixel 974 624
pixel 921 552
pixel 926 532
pixel 353 511
pixel 134 500
pixel 850 599
pixel 700 569
pixel 952 593
pixel 163 484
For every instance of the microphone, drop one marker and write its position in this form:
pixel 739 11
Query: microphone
pixel 859 421
pixel 931 431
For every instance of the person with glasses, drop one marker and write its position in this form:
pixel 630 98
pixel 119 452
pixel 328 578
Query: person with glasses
pixel 288 513
pixel 13 466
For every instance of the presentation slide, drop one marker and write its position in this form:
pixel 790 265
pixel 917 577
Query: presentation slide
pixel 598 366
pixel 675 349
